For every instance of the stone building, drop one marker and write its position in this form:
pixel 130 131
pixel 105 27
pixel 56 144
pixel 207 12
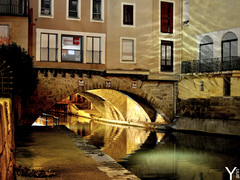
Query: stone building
pixel 209 84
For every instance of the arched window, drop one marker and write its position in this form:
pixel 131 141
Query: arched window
pixel 206 48
pixel 229 45
pixel 229 51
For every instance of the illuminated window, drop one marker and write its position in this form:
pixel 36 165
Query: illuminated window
pixel 127 50
pixel 46 7
pixel 97 9
pixel 72 50
pixel 166 56
pixel 94 50
pixel 166 17
pixel 73 8
pixel 48 47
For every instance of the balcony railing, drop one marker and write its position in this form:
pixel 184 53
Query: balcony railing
pixel 211 65
pixel 14 8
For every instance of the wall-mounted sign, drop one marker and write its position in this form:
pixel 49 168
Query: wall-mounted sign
pixel 71 40
pixel 108 84
pixel 81 82
pixel 134 85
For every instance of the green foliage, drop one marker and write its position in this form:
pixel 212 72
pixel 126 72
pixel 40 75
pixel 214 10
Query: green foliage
pixel 21 64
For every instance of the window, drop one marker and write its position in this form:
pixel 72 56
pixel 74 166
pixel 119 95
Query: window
pixel 229 51
pixel 4 35
pixel 166 17
pixel 48 47
pixel 94 50
pixel 73 8
pixel 46 7
pixel 97 9
pixel 128 13
pixel 227 86
pixel 201 86
pixel 206 48
pixel 166 56
pixel 185 12
pixel 127 50
pixel 72 48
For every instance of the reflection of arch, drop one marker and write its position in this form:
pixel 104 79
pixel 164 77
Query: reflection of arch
pixel 206 48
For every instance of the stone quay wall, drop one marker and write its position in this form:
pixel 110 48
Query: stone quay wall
pixel 214 107
pixel 219 115
pixel 7 144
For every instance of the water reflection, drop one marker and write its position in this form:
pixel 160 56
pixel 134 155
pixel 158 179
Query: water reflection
pixel 156 155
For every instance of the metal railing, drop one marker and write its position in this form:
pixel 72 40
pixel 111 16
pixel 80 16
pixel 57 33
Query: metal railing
pixel 211 65
pixel 16 8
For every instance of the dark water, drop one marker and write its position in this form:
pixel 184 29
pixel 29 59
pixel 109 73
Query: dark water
pixel 162 155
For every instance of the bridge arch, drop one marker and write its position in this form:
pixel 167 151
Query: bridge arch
pixel 53 88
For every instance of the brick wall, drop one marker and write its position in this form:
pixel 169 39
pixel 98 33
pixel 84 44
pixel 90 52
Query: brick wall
pixel 7 144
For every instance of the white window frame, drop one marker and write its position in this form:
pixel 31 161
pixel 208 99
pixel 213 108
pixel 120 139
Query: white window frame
pixel 134 49
pixel 102 12
pixel 134 14
pixel 46 16
pixel 74 33
pixel 78 18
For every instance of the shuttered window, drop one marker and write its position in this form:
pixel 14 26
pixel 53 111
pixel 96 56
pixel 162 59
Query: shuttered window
pixel 166 17
pixel 127 50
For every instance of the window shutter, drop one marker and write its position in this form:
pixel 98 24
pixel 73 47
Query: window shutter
pixel 164 17
pixel 170 17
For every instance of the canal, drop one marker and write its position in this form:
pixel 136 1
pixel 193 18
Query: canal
pixel 161 155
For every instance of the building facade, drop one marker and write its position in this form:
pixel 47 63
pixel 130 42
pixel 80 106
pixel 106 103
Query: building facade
pixel 119 37
pixel 209 85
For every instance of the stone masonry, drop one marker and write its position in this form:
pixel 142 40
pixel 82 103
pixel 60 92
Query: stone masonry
pixel 214 107
pixel 53 88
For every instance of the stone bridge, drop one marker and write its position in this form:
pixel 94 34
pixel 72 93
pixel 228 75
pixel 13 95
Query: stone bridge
pixel 154 97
